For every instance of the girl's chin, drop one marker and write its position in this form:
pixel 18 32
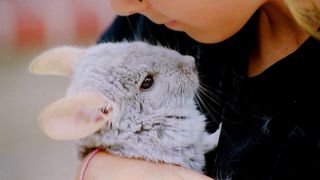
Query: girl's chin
pixel 206 37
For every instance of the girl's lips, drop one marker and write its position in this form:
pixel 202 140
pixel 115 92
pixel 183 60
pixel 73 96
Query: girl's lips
pixel 171 25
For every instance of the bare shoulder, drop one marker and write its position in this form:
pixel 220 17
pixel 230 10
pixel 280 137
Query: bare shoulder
pixel 106 166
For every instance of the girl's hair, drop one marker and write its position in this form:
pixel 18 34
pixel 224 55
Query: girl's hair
pixel 307 15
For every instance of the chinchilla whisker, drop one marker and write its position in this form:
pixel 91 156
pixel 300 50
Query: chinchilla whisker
pixel 196 98
pixel 132 29
pixel 209 110
pixel 204 85
pixel 201 104
pixel 209 94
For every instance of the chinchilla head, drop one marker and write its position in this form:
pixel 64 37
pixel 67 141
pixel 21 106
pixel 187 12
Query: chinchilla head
pixel 141 79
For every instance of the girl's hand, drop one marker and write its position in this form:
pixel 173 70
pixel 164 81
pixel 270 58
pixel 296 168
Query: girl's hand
pixel 105 166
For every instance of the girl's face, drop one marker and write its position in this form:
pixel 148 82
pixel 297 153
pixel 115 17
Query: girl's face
pixel 207 21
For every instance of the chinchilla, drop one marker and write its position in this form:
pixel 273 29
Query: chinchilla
pixel 130 99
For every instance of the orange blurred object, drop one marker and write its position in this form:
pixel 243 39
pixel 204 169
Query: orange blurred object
pixel 86 22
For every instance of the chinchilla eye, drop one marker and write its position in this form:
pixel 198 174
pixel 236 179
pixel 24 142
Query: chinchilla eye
pixel 147 82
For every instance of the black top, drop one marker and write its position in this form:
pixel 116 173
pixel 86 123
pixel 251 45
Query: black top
pixel 270 122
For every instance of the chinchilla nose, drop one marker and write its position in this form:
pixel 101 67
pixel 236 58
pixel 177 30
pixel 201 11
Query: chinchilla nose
pixel 187 65
pixel 190 62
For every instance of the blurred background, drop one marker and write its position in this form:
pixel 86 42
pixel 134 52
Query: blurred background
pixel 27 28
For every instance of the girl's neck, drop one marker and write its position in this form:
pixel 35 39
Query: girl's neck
pixel 278 36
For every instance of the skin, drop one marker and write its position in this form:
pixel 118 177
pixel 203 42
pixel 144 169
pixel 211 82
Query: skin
pixel 207 21
pixel 106 167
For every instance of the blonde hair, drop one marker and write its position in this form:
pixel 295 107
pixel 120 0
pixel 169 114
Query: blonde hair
pixel 307 15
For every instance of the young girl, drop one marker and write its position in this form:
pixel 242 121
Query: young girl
pixel 258 60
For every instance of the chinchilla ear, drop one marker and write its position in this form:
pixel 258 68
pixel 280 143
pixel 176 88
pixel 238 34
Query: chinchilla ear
pixel 57 61
pixel 77 116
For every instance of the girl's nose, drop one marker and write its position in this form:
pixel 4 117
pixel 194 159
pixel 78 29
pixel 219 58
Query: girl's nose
pixel 128 7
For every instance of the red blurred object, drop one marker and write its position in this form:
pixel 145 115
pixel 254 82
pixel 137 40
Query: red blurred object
pixel 40 23
pixel 30 30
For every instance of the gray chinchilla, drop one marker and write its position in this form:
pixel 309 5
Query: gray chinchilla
pixel 131 99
